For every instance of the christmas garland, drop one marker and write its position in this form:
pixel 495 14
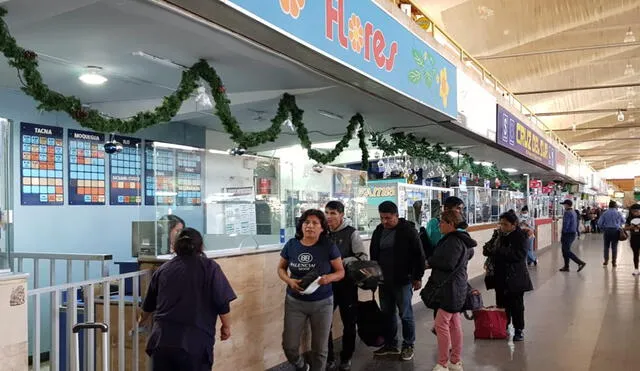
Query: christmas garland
pixel 410 145
pixel 25 61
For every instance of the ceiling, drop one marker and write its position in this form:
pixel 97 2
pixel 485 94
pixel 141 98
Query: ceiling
pixel 69 35
pixel 534 46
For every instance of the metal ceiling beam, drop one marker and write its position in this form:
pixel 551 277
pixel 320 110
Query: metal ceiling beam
pixel 581 88
pixel 584 112
pixel 600 140
pixel 597 128
pixel 561 50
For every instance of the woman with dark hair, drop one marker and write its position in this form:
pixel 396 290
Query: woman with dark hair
pixel 507 252
pixel 632 225
pixel 314 263
pixel 169 226
pixel 186 295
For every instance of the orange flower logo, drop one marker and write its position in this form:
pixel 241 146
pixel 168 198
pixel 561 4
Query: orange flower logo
pixel 292 7
pixel 356 33
pixel 444 87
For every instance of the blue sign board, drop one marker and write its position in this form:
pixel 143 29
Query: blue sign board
pixel 86 168
pixel 41 173
pixel 513 134
pixel 125 173
pixel 364 37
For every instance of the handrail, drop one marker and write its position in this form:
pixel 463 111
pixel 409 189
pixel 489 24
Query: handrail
pixel 466 57
pixel 95 281
pixel 58 256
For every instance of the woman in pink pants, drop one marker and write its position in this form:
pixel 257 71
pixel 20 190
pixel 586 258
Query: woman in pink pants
pixel 447 289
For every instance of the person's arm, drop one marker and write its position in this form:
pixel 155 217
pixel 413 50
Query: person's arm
pixel 358 249
pixel 419 261
pixel 445 258
pixel 283 265
pixel 222 294
pixel 225 329
pixel 336 275
pixel 487 248
pixel 150 301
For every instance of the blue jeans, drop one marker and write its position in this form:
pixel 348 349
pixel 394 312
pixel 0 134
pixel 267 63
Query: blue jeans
pixel 531 255
pixel 567 240
pixel 392 297
pixel 611 238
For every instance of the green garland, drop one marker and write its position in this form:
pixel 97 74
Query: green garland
pixel 410 145
pixel 25 61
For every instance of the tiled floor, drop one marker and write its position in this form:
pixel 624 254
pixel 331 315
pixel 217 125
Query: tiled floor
pixel 587 321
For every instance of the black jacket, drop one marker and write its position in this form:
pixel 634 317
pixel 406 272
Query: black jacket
pixel 509 261
pixel 450 286
pixel 408 256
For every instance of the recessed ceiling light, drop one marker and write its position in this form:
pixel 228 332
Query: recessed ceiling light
pixel 620 116
pixel 510 170
pixel 92 76
pixel 629 37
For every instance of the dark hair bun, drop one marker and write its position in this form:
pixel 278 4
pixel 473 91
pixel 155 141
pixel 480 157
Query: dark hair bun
pixel 189 242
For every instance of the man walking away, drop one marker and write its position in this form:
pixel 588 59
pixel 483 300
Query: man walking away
pixel 396 246
pixel 610 223
pixel 345 292
pixel 569 222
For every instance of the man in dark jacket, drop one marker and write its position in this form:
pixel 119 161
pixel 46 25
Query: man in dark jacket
pixel 345 292
pixel 396 246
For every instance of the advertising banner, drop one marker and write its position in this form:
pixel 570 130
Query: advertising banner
pixel 364 37
pixel 513 134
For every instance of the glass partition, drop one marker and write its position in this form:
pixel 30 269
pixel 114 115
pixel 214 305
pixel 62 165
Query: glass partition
pixel 477 202
pixel 240 202
pixel 414 202
pixel 540 206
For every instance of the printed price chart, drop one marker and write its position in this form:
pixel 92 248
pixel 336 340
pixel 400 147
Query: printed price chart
pixel 160 170
pixel 86 168
pixel 42 175
pixel 189 176
pixel 125 173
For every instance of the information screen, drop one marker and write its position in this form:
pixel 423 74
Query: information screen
pixel 41 169
pixel 160 175
pixel 86 168
pixel 125 173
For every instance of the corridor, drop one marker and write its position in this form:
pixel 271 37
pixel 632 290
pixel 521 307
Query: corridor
pixel 575 321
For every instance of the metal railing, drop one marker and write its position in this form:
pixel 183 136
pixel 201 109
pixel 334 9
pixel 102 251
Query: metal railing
pixel 104 260
pixel 439 35
pixel 64 298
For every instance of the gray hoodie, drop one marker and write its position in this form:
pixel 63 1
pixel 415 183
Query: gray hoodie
pixel 357 246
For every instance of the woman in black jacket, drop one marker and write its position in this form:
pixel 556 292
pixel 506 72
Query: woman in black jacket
pixel 446 289
pixel 507 252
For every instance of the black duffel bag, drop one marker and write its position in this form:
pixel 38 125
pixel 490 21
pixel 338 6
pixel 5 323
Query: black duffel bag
pixel 365 274
pixel 371 322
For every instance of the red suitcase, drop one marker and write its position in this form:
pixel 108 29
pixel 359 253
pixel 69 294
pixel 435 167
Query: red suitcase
pixel 490 323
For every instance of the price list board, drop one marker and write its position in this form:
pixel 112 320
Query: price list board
pixel 189 178
pixel 41 166
pixel 126 173
pixel 86 168
pixel 160 175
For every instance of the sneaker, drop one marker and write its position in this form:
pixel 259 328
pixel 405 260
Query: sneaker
pixel 604 263
pixel 518 336
pixel 455 366
pixel 387 351
pixel 564 269
pixel 535 263
pixel 306 367
pixel 581 266
pixel 407 353
pixel 440 367
pixel 332 366
pixel 614 264
pixel 636 272
pixel 345 365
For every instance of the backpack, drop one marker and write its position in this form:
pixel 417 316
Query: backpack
pixel 371 322
pixel 366 274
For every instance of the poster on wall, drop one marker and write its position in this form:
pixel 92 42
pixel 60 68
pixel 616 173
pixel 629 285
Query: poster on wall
pixel 125 171
pixel 41 172
pixel 189 178
pixel 86 168
pixel 240 212
pixel 160 175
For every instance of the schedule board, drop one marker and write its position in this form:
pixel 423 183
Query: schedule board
pixel 86 168
pixel 189 178
pixel 125 173
pixel 160 175
pixel 41 165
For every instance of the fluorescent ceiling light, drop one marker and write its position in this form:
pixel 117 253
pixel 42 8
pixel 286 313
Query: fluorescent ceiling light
pixel 453 154
pixel 510 170
pixel 330 115
pixel 327 145
pixel 163 61
pixel 175 146
pixel 92 77
pixel 483 163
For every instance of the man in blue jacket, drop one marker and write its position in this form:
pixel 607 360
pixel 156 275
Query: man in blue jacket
pixel 610 223
pixel 569 232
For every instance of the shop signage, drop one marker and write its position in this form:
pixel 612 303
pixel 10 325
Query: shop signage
pixel 378 191
pixel 561 162
pixel 364 37
pixel 513 134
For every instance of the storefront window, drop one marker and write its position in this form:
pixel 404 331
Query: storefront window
pixel 477 202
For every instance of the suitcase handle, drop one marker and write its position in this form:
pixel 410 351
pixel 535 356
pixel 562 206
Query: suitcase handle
pixel 90 325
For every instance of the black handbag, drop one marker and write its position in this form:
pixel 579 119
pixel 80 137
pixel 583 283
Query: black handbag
pixel 429 292
pixel 366 274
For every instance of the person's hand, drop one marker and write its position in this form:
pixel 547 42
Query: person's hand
pixel 225 332
pixel 417 285
pixel 324 280
pixel 295 284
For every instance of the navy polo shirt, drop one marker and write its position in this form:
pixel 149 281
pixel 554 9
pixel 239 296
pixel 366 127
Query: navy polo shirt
pixel 303 259
pixel 186 295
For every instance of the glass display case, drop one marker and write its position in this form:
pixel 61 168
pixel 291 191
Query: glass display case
pixel 238 202
pixel 540 206
pixel 477 202
pixel 415 202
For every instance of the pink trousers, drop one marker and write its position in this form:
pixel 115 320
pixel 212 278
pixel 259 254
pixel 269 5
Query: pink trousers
pixel 449 332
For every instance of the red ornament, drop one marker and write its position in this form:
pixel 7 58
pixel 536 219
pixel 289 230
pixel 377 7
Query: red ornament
pixel 29 55
pixel 222 89
pixel 80 114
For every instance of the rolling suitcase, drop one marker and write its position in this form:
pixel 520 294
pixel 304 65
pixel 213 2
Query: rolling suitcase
pixel 105 341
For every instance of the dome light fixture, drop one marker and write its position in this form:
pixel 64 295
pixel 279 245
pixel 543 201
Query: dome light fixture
pixel 92 76
pixel 629 37
pixel 620 116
